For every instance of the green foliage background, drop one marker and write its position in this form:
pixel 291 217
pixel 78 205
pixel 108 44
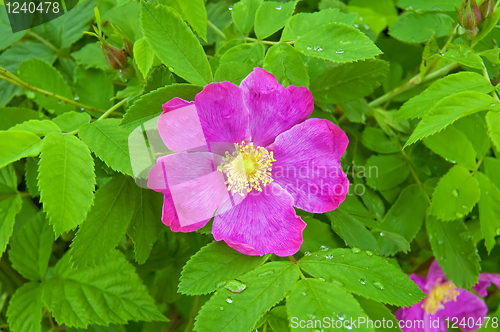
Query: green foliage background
pixel 84 247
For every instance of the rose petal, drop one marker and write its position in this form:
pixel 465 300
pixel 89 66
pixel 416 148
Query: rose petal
pixel 308 165
pixel 466 306
pixel 180 127
pixel 265 222
pixel 435 275
pixel 485 280
pixel 169 217
pixel 222 113
pixel 273 109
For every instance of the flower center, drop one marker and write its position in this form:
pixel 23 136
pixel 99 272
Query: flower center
pixel 247 168
pixel 439 295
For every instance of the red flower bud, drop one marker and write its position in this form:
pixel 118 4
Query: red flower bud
pixel 114 57
pixel 469 14
pixel 487 8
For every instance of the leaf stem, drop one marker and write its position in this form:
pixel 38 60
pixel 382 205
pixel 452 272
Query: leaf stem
pixel 217 31
pixel 44 41
pixel 267 42
pixel 487 76
pixel 11 78
pixel 415 81
pixel 112 109
pixel 194 310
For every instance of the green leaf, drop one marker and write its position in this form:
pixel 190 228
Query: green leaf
pixel 463 55
pixel 18 144
pixel 406 216
pixel 492 170
pixel 376 311
pixel 278 319
pixel 9 207
pixel 265 287
pixel 252 53
pixel 349 81
pixel 149 105
pixel 382 281
pixel 25 309
pixel 109 142
pixel 44 76
pixel 106 223
pixel 355 110
pixel 196 15
pixel 376 140
pixel 243 14
pixel 143 56
pixel 212 266
pixel 429 6
pixel 419 28
pixel 489 210
pixel 312 300
pixel 39 127
pixel 10 116
pixel 7 37
pixel 337 42
pixel 475 129
pixel 286 65
pixel 107 293
pixel 352 230
pixel 174 43
pixel 71 121
pixel 93 88
pixel 90 56
pixel 31 247
pixel 66 181
pixel 8 180
pixel 233 71
pixel 455 195
pixel 451 84
pixel 453 146
pixel 493 122
pixel 302 23
pixel 146 222
pixel 454 250
pixel 389 171
pixel 317 235
pixel 31 175
pixel 272 16
pixel 449 110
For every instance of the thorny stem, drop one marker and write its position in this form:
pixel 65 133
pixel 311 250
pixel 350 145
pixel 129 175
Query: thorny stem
pixel 11 78
pixel 217 31
pixel 267 42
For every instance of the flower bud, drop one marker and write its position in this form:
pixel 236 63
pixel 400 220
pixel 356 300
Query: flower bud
pixel 487 8
pixel 469 14
pixel 114 57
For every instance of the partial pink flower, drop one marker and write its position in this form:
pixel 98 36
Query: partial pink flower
pixel 246 157
pixel 446 301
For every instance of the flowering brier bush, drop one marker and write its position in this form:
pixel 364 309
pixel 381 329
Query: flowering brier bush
pixel 236 166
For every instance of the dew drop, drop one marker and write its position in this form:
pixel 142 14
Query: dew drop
pixel 221 308
pixel 338 283
pixel 356 250
pixel 455 193
pixel 171 68
pixel 279 7
pixel 265 274
pixel 304 294
pixel 459 215
pixel 329 256
pixel 324 248
pixel 378 285
pixel 307 253
pixel 498 231
pixel 309 48
pixel 236 286
pixel 229 300
pixel 349 327
pixel 362 281
pixel 230 8
pixel 76 98
pixel 255 330
pixel 311 316
pixel 340 316
pixel 339 51
pixel 382 234
pixel 369 253
pixel 318 48
pixel 30 94
pixel 321 279
pixel 221 284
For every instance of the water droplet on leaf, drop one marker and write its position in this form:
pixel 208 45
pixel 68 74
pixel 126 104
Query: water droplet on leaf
pixel 235 286
pixel 362 281
pixel 339 51
pixel 454 192
pixel 324 248
pixel 265 274
pixel 378 285
pixel 356 250
pixel 369 253
pixel 229 300
pixel 340 316
pixel 279 7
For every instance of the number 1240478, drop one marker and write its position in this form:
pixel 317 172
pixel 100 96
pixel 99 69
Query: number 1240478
pixel 32 7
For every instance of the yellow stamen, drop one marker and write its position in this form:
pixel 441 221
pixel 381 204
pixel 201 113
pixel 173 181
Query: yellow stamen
pixel 439 295
pixel 247 168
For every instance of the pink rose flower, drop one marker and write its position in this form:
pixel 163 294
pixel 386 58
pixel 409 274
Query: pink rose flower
pixel 247 156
